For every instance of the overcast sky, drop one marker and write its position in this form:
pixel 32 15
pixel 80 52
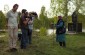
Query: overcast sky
pixel 30 5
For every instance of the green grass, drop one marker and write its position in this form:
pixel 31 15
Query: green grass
pixel 46 45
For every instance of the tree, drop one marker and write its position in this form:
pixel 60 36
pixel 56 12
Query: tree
pixel 60 7
pixel 2 20
pixel 44 22
pixel 36 23
pixel 66 8
pixel 80 7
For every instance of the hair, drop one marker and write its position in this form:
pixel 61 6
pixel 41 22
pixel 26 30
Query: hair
pixel 15 5
pixel 60 17
pixel 34 14
pixel 24 11
pixel 26 15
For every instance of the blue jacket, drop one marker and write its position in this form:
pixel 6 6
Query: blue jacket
pixel 60 37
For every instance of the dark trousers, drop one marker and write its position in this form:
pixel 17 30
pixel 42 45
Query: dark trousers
pixel 24 38
pixel 62 44
pixel 19 36
pixel 30 36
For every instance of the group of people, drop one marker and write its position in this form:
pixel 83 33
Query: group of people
pixel 26 26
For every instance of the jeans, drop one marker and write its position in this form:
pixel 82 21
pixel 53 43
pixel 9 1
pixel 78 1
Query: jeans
pixel 24 38
pixel 30 36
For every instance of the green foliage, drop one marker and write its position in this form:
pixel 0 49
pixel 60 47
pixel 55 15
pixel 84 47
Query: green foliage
pixel 55 19
pixel 43 31
pixel 81 19
pixel 2 20
pixel 66 7
pixel 19 14
pixel 36 24
pixel 58 7
pixel 80 8
pixel 44 22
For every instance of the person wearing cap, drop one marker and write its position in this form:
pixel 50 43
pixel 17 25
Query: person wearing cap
pixel 12 25
pixel 60 32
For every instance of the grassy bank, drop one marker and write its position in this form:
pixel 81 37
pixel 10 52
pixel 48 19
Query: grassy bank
pixel 46 45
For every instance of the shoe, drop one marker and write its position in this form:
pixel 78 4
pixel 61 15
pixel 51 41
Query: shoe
pixel 11 50
pixel 14 49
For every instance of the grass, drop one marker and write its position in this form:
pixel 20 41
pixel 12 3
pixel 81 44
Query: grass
pixel 46 45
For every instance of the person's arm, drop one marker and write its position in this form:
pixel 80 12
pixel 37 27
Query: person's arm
pixel 26 21
pixel 60 25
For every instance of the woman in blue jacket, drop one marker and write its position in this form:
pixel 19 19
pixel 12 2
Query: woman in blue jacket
pixel 60 32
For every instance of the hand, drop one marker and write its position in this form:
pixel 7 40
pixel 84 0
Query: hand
pixel 30 22
pixel 27 19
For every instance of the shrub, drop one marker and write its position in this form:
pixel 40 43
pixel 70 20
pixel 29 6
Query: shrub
pixel 43 31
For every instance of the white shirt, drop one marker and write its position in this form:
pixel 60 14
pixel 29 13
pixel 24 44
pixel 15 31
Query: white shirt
pixel 12 18
pixel 30 24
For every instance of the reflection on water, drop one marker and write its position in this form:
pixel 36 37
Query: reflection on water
pixel 49 31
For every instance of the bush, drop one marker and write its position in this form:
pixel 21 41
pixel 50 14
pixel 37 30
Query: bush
pixel 43 31
pixel 2 20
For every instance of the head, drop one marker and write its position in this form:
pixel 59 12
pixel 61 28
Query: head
pixel 59 17
pixel 23 11
pixel 30 15
pixel 34 14
pixel 15 7
pixel 27 15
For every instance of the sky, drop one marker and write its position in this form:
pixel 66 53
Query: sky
pixel 30 5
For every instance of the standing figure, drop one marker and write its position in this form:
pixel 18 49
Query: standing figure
pixel 12 25
pixel 24 29
pixel 60 32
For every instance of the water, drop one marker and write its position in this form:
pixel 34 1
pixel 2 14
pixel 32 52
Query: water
pixel 49 31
